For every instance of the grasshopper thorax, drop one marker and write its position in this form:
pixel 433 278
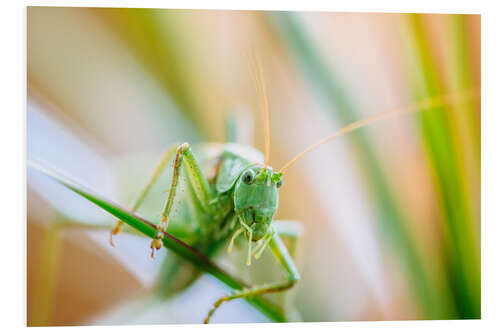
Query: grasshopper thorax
pixel 256 199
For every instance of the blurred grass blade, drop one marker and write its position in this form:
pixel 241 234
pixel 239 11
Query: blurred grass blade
pixel 466 117
pixel 446 157
pixel 172 243
pixel 50 254
pixel 163 51
pixel 329 86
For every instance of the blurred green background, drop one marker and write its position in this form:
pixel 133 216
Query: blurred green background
pixel 391 213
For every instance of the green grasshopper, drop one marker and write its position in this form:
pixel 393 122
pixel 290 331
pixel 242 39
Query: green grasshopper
pixel 240 198
pixel 234 199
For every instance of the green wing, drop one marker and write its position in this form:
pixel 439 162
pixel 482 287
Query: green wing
pixel 235 159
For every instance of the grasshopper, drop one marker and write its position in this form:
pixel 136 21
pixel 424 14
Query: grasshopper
pixel 241 198
pixel 240 201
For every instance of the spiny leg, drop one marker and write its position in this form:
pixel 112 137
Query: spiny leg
pixel 157 243
pixel 154 177
pixel 201 189
pixel 281 253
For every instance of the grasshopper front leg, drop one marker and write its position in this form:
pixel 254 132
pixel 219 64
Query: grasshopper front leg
pixel 198 181
pixel 280 252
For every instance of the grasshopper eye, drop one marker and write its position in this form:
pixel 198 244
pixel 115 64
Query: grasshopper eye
pixel 279 183
pixel 248 176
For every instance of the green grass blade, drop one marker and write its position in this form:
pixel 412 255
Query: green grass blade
pixel 326 82
pixel 158 42
pixel 172 243
pixel 444 152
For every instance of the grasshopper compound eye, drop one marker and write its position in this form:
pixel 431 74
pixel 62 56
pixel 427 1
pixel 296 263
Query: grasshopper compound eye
pixel 279 183
pixel 248 177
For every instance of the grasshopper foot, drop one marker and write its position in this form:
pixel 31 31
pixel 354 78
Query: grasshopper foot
pixel 156 244
pixel 215 306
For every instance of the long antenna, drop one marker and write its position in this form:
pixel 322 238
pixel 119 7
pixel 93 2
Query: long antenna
pixel 421 105
pixel 260 86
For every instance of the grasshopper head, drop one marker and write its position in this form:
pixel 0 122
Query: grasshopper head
pixel 256 199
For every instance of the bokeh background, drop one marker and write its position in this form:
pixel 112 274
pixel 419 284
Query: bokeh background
pixel 390 213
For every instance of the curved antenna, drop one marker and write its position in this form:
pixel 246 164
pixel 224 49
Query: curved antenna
pixel 421 105
pixel 260 87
